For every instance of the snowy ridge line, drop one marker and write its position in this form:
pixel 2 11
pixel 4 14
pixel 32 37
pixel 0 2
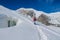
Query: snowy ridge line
pixel 43 36
pixel 12 13
pixel 44 27
pixel 26 16
pixel 20 15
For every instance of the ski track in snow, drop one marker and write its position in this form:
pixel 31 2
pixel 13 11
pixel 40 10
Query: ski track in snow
pixel 48 29
pixel 43 36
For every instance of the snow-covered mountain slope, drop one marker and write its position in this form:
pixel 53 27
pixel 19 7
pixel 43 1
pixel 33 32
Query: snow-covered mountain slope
pixel 52 32
pixel 26 10
pixel 55 17
pixel 24 30
pixel 40 15
pixel 49 19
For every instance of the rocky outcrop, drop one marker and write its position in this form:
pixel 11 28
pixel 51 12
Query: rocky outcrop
pixel 44 19
pixel 26 12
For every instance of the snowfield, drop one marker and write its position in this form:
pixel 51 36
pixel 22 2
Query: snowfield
pixel 25 29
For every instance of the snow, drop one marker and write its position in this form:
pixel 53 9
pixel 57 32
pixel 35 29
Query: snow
pixel 3 21
pixel 55 18
pixel 54 22
pixel 51 35
pixel 38 13
pixel 26 30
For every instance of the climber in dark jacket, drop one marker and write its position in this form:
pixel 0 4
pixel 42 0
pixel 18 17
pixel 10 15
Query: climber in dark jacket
pixel 34 19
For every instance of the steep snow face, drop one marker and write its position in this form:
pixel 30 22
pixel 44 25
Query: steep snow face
pixel 7 12
pixel 3 21
pixel 24 30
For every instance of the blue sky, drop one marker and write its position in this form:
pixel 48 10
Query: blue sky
pixel 42 5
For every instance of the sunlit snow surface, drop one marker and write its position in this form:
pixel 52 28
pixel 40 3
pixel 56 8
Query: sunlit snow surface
pixel 26 30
